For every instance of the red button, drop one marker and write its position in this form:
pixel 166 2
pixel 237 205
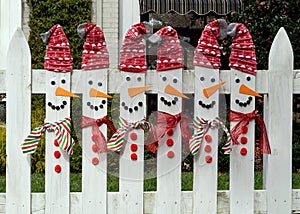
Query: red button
pixel 207 148
pixel 170 132
pixel 95 148
pixel 208 159
pixel 170 154
pixel 244 140
pixel 133 147
pixel 208 138
pixel 95 161
pixel 57 168
pixel 244 129
pixel 57 154
pixel 133 156
pixel 170 142
pixel 243 151
pixel 56 143
pixel 133 136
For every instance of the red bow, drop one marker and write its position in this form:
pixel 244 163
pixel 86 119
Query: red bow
pixel 243 120
pixel 166 122
pixel 97 136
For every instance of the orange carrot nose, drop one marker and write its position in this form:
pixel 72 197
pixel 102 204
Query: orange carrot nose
pixel 135 91
pixel 245 90
pixel 173 91
pixel 63 92
pixel 211 90
pixel 96 93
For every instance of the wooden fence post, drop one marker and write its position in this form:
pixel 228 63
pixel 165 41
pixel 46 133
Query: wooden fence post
pixel 279 163
pixel 18 124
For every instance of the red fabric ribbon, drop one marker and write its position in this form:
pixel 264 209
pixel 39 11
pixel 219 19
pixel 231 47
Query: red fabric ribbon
pixel 97 136
pixel 165 122
pixel 243 120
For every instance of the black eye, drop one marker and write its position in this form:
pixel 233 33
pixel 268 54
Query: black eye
pixel 175 80
pixel 212 79
pixel 128 78
pixel 164 79
pixel 248 78
pixel 99 83
pixel 202 78
pixel 139 79
pixel 63 81
pixel 52 82
pixel 237 80
pixel 90 82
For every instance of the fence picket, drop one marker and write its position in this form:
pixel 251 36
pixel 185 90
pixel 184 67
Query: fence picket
pixel 205 172
pixel 18 124
pixel 279 174
pixel 57 183
pixel 94 165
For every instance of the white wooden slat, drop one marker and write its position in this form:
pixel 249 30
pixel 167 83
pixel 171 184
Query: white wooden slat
pixel 57 184
pixel 279 173
pixel 93 194
pixel 260 200
pixel 262 81
pixel 132 171
pixel 18 120
pixel 242 166
pixel 169 169
pixel 205 174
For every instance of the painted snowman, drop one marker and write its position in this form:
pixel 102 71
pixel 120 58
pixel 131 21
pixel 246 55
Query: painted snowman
pixel 94 122
pixel 165 137
pixel 205 140
pixel 129 138
pixel 242 116
pixel 58 62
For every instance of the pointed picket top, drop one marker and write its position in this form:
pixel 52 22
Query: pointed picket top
pixel 281 53
pixel 278 177
pixel 18 86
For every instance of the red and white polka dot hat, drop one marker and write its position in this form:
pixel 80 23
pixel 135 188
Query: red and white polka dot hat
pixel 207 52
pixel 133 50
pixel 242 55
pixel 58 56
pixel 95 54
pixel 169 52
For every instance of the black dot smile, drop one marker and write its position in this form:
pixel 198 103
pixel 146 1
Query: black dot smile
pixel 169 103
pixel 244 104
pixel 96 107
pixel 57 107
pixel 207 106
pixel 131 109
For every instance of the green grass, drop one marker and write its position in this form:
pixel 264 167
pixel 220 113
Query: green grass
pixel 38 182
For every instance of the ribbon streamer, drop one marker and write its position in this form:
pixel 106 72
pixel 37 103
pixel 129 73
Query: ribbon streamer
pixel 243 120
pixel 62 130
pixel 201 127
pixel 97 136
pixel 116 141
pixel 165 122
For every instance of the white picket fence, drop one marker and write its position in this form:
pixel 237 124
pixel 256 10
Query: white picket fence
pixel 19 81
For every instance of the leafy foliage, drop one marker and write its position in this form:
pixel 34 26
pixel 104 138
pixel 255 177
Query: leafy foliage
pixel 46 13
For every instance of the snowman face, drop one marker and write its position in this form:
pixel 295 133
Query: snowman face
pixel 97 99
pixel 132 103
pixel 58 83
pixel 169 95
pixel 242 93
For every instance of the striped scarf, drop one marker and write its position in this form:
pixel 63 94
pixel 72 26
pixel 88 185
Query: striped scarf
pixel 62 130
pixel 116 141
pixel 201 126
